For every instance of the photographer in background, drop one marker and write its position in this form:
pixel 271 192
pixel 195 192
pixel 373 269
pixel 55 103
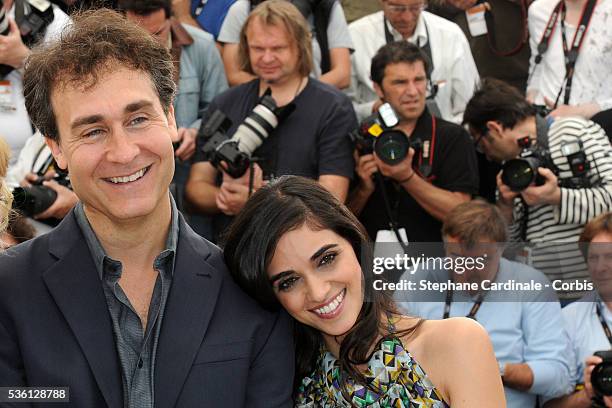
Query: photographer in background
pixel 570 56
pixel 588 321
pixel 16 15
pixel 311 142
pixel 567 181
pixel 425 185
pixel 453 71
pixel 35 166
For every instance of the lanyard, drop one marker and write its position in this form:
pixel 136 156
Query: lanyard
pixel 571 54
pixel 604 325
pixel 426 48
pixel 473 310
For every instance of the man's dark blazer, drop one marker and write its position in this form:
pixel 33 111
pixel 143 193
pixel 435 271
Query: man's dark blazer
pixel 217 347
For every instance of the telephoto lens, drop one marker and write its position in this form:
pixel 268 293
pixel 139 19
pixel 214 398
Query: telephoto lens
pixel 601 377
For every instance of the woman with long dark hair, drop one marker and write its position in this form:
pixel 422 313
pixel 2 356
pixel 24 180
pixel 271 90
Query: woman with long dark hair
pixel 295 245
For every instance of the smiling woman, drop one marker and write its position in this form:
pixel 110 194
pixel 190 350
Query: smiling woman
pixel 296 246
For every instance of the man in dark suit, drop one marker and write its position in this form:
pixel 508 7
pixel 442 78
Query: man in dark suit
pixel 123 303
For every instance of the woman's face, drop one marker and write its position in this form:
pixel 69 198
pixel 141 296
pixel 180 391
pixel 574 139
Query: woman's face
pixel 317 278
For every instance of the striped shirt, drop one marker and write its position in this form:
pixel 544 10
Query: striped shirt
pixel 553 230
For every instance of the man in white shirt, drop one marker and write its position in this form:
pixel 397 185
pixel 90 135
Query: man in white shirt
pixel 14 122
pixel 591 89
pixel 454 72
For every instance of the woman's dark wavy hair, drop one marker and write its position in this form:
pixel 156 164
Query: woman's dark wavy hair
pixel 285 205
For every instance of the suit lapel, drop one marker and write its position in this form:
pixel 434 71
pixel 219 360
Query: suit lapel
pixel 190 306
pixel 77 290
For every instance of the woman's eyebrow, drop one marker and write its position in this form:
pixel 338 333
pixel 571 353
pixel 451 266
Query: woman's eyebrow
pixel 321 251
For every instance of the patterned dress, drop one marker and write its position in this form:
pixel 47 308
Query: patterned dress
pixel 399 380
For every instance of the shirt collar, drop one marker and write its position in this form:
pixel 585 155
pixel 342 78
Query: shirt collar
pixel 180 36
pixel 419 37
pixel 99 254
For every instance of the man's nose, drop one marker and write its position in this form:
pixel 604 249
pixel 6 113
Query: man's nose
pixel 268 56
pixel 121 148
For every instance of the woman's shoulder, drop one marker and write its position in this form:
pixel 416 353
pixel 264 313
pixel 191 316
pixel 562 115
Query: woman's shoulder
pixel 443 348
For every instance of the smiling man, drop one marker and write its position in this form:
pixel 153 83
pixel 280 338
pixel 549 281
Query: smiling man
pixel 139 305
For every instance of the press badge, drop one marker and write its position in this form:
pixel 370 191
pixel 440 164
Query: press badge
pixel 7 103
pixel 476 20
pixel 389 235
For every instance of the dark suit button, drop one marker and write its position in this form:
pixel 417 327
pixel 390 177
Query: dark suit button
pixel 140 363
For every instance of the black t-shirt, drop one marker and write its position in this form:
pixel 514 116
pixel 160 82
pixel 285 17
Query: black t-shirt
pixel 454 168
pixel 311 142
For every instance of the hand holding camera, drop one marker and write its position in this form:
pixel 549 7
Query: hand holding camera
pixel 399 172
pixel 12 49
pixel 185 145
pixel 234 192
pixel 365 168
pixel 598 378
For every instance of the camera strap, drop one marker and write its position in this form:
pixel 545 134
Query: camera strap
pixel 604 325
pixel 490 22
pixel 391 215
pixel 571 53
pixel 473 310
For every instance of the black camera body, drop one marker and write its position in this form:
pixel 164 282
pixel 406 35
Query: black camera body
pixel 236 151
pixel 601 377
pixel 376 134
pixel 520 173
pixel 35 199
pixel 37 15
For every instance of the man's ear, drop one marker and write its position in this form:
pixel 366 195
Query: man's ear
pixel 171 117
pixel 379 91
pixel 57 152
pixel 494 128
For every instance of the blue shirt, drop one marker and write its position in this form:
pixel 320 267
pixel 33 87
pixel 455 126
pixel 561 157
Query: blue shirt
pixel 585 331
pixel 136 345
pixel 522 331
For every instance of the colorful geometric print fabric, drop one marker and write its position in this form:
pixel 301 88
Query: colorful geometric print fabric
pixel 400 383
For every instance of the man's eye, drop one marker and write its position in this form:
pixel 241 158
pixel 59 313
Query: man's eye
pixel 287 284
pixel 93 133
pixel 138 121
pixel 328 259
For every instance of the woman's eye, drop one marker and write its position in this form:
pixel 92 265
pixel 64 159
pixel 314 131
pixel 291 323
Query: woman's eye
pixel 287 284
pixel 327 259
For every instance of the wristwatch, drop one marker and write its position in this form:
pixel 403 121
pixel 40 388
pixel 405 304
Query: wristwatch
pixel 502 369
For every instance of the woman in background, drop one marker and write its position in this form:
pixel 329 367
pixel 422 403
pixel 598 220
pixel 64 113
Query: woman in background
pixel 295 245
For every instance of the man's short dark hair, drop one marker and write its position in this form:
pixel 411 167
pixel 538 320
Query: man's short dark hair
pixel 97 42
pixel 496 100
pixel 145 7
pixel 395 53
